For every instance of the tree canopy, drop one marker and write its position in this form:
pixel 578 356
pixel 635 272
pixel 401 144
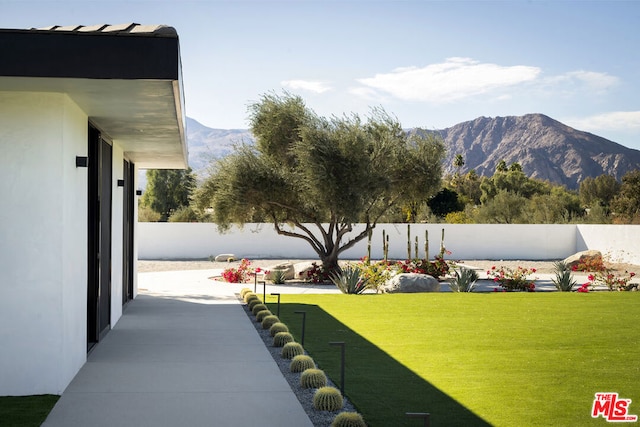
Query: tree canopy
pixel 321 175
pixel 168 190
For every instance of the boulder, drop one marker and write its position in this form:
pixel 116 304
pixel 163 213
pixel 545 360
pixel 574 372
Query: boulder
pixel 411 283
pixel 225 257
pixel 587 257
pixel 302 268
pixel 287 267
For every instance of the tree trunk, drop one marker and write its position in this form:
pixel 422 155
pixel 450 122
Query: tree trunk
pixel 330 263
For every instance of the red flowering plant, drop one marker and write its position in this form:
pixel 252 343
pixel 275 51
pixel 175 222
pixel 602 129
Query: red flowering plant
pixel 584 288
pixel 240 274
pixel 513 280
pixel 612 281
pixel 318 274
pixel 437 268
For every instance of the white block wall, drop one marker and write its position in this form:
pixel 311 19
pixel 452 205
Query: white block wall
pixel 465 241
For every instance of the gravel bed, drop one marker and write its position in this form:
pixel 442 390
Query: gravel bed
pixel 304 395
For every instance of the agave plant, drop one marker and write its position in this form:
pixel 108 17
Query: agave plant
pixel 564 281
pixel 349 280
pixel 278 276
pixel 464 280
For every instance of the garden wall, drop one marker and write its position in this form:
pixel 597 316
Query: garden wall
pixel 465 241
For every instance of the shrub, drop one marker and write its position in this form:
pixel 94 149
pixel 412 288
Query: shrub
pixel 313 378
pixel 463 280
pixel 256 306
pixel 349 280
pixel 327 399
pixel 262 314
pixel 239 274
pixel 282 338
pixel 611 281
pixel 291 350
pixel 376 273
pixel 513 280
pixel 437 268
pixel 348 419
pixel 317 274
pixel 564 281
pixel 278 327
pixel 301 363
pixel 268 321
pixel 244 291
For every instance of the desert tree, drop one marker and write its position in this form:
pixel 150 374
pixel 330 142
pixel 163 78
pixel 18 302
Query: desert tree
pixel 626 204
pixel 168 190
pixel 321 175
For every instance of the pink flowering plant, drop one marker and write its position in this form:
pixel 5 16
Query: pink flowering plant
pixel 239 274
pixel 511 280
pixel 612 281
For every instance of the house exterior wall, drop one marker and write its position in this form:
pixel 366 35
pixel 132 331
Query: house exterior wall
pixel 117 205
pixel 43 242
pixel 465 241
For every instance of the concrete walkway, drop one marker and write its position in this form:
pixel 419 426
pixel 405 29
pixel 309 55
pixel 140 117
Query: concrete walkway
pixel 184 353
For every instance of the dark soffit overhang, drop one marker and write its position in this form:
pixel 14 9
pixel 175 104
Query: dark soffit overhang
pixel 126 78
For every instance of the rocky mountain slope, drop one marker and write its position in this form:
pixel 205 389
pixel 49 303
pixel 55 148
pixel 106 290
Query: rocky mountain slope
pixel 546 148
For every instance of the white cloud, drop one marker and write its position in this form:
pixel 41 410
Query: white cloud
pixel 454 79
pixel 308 85
pixel 589 80
pixel 612 121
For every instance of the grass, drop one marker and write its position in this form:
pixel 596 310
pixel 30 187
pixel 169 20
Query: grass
pixel 503 359
pixel 25 411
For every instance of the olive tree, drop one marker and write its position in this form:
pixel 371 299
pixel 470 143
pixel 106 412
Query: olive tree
pixel 321 175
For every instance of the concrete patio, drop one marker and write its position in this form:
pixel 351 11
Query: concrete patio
pixel 183 353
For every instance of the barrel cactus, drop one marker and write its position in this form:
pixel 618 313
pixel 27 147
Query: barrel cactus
pixel 313 378
pixel 262 314
pixel 253 303
pixel 281 338
pixel 268 321
pixel 301 363
pixel 348 419
pixel 244 291
pixel 327 399
pixel 291 350
pixel 255 308
pixel 278 327
pixel 249 296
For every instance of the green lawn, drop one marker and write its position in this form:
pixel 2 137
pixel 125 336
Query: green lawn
pixel 25 411
pixel 504 359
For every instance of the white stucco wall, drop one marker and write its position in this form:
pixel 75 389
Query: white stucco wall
pixel 117 201
pixel 466 241
pixel 43 242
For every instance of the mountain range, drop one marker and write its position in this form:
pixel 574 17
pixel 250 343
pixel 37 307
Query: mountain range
pixel 545 148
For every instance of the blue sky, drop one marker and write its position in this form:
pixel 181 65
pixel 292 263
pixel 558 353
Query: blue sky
pixel 432 64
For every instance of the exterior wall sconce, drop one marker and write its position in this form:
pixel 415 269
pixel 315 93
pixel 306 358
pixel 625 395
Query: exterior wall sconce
pixel 82 161
pixel 121 183
pixel 138 192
